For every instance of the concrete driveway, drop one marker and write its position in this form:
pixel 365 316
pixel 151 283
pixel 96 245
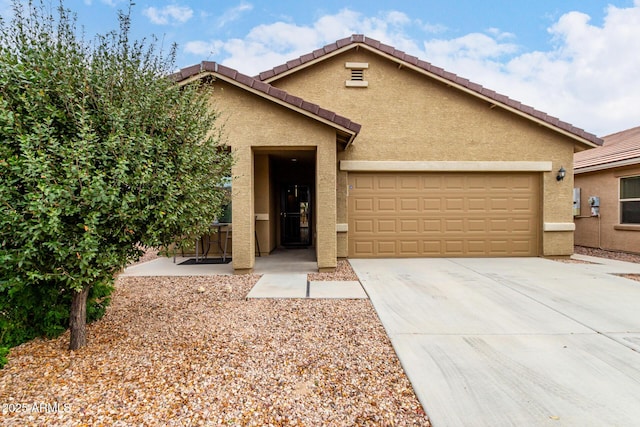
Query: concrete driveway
pixel 513 341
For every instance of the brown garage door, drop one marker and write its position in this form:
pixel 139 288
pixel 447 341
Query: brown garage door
pixel 443 214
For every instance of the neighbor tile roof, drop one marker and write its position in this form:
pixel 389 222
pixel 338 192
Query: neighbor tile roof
pixel 618 149
pixel 207 67
pixel 359 39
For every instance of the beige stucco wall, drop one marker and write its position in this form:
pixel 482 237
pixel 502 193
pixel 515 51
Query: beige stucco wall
pixel 253 125
pixel 263 196
pixel 407 116
pixel 601 232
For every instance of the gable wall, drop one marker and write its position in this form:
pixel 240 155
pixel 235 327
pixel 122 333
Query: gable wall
pixel 407 116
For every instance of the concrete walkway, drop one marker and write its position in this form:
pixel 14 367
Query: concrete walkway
pixel 284 275
pixel 279 261
pixel 513 341
pixel 289 285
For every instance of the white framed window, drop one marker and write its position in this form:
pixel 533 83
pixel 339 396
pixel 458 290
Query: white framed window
pixel 630 200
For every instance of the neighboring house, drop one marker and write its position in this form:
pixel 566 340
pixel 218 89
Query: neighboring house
pixel 609 177
pixel 360 150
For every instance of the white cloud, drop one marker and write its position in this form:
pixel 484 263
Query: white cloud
pixel 112 3
pixel 272 44
pixel 234 14
pixel 588 76
pixel 203 49
pixel 171 14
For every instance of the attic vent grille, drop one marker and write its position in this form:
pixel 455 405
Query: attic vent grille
pixel 357 74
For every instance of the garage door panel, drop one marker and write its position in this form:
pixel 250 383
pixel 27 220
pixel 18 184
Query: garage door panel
pixel 409 205
pixel 521 247
pixel 431 182
pixel 363 204
pixel 498 225
pixel 499 247
pixel 387 248
pixel 364 249
pixel 363 226
pixel 477 204
pixel 453 225
pixel 386 226
pixel 409 248
pixel 432 204
pixel 432 226
pixel 454 183
pixel 410 182
pixel 431 248
pixel 409 225
pixel 499 204
pixel 520 204
pixel 363 182
pixel 443 214
pixel 454 204
pixel 453 247
pixel 476 247
pixel 522 225
pixel 386 205
pixel 386 183
pixel 477 226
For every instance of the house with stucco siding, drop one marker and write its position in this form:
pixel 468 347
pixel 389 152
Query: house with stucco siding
pixel 607 193
pixel 360 150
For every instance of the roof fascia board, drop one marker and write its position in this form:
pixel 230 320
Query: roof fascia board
pixel 604 166
pixel 312 62
pixel 196 77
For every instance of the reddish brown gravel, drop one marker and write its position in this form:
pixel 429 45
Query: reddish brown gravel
pixel 192 351
pixel 343 272
pixel 602 253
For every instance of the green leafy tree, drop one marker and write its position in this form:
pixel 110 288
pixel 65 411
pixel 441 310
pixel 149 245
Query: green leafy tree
pixel 100 154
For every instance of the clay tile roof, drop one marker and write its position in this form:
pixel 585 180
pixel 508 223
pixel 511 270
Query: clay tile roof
pixel 360 39
pixel 253 83
pixel 621 147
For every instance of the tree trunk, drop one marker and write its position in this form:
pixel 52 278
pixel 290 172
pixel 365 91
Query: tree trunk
pixel 78 319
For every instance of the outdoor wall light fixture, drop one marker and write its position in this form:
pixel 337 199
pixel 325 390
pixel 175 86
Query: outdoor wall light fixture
pixel 561 174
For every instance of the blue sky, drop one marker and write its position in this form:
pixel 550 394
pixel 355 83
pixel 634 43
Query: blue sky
pixel 578 60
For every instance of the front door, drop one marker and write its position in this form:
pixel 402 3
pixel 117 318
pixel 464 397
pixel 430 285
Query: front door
pixel 295 214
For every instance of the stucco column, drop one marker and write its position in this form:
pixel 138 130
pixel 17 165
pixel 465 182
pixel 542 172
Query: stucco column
pixel 326 245
pixel 557 236
pixel 243 211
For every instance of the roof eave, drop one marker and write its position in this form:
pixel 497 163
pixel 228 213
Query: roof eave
pixel 605 166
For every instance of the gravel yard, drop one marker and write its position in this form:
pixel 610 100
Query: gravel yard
pixel 603 253
pixel 193 351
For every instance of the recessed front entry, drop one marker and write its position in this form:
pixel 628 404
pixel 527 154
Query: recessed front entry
pixel 295 215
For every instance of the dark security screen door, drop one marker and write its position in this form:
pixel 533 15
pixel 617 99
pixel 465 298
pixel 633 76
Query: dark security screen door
pixel 296 215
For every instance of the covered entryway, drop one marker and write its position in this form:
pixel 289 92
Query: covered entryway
pixel 452 214
pixel 285 181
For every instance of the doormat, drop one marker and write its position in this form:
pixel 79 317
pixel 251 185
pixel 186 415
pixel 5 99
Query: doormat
pixel 192 261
